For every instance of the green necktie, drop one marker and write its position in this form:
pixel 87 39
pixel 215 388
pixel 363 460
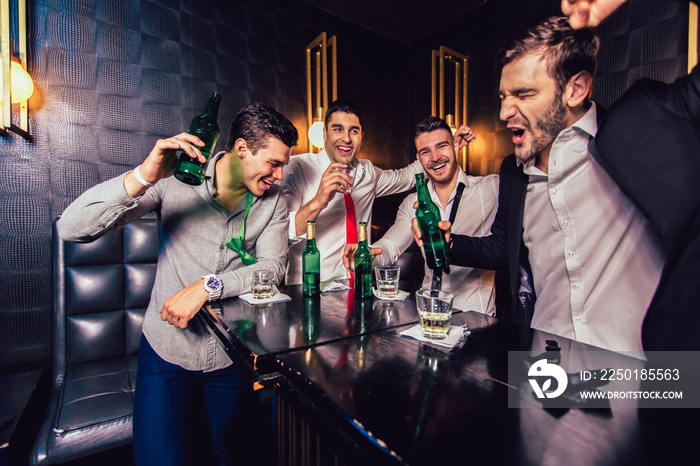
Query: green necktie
pixel 236 242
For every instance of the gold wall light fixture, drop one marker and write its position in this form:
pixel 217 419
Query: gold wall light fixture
pixel 317 95
pixel 449 100
pixel 16 86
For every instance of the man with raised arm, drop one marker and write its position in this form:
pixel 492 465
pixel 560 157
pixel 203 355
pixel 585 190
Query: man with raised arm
pixel 313 185
pixel 213 236
pixel 471 200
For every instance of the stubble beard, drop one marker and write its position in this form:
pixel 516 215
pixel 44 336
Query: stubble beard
pixel 548 128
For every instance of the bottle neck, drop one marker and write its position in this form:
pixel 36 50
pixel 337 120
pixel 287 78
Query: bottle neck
pixel 211 110
pixel 362 233
pixel 422 189
pixel 310 231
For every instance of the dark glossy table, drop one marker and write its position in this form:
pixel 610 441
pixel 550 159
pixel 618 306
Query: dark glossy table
pixel 254 335
pixel 351 390
pixel 403 401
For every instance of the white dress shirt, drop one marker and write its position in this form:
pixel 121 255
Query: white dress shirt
pixel 473 288
pixel 595 260
pixel 302 177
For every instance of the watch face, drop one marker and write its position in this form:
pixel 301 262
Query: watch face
pixel 213 283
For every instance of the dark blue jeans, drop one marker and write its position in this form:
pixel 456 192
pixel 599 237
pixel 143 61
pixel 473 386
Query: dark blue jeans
pixel 169 400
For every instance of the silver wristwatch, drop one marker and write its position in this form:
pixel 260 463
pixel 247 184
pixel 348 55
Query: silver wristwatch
pixel 213 286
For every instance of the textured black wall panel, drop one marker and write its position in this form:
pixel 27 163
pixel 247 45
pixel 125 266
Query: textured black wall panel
pixel 231 71
pixel 161 87
pixel 124 13
pixel 71 68
pixel 119 78
pixel 160 54
pixel 160 21
pixel 22 177
pixel 262 24
pixel 198 64
pixel 233 14
pixel 29 215
pixel 24 253
pixel 72 105
pixel 119 147
pixel 231 42
pixel 72 31
pixel 113 41
pixel 198 32
pixel 118 112
pixel 70 178
pixel 161 120
pixel 70 141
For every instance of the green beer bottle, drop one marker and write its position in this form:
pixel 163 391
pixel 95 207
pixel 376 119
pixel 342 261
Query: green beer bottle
pixel 311 263
pixel 428 216
pixel 204 126
pixel 363 265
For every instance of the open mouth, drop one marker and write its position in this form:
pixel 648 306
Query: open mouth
pixel 268 182
pixel 518 135
pixel 344 150
pixel 439 166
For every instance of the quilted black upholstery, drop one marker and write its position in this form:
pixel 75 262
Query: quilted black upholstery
pixel 101 292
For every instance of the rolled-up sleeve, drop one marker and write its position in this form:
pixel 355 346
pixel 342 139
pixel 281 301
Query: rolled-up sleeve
pixel 101 208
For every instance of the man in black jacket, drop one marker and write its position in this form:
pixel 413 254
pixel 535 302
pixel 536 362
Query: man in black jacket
pixel 592 239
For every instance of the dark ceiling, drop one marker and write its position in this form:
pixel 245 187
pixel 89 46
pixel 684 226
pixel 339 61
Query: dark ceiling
pixel 403 20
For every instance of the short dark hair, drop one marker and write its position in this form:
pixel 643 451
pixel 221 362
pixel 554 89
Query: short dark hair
pixel 430 124
pixel 567 51
pixel 344 106
pixel 256 122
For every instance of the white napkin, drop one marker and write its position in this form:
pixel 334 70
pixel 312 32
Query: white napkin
pixel 276 297
pixel 455 335
pixel 400 296
pixel 333 286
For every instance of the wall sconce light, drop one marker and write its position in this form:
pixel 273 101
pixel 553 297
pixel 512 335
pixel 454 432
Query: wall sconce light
pixel 16 85
pixel 455 96
pixel 320 45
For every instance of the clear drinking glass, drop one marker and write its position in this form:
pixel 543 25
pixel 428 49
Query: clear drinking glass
pixel 387 281
pixel 263 284
pixel 434 311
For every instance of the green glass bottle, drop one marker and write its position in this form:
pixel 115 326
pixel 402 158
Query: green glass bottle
pixel 204 126
pixel 311 263
pixel 363 265
pixel 428 216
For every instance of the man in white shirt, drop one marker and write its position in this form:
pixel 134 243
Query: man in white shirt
pixel 573 242
pixel 313 188
pixel 475 199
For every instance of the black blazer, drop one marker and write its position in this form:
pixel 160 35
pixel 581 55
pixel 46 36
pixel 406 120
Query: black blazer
pixel 649 143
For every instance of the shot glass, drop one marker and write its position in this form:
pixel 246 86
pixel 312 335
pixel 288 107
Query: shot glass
pixel 387 281
pixel 350 171
pixel 434 312
pixel 263 284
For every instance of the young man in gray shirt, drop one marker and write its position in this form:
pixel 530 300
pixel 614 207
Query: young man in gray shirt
pixel 197 263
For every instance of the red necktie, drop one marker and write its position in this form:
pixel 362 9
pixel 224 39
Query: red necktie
pixel 350 221
pixel 350 232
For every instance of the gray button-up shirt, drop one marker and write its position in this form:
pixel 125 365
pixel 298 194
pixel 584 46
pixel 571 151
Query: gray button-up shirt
pixel 193 227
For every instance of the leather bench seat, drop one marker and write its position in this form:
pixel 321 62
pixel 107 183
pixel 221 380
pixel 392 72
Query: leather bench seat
pixel 101 293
